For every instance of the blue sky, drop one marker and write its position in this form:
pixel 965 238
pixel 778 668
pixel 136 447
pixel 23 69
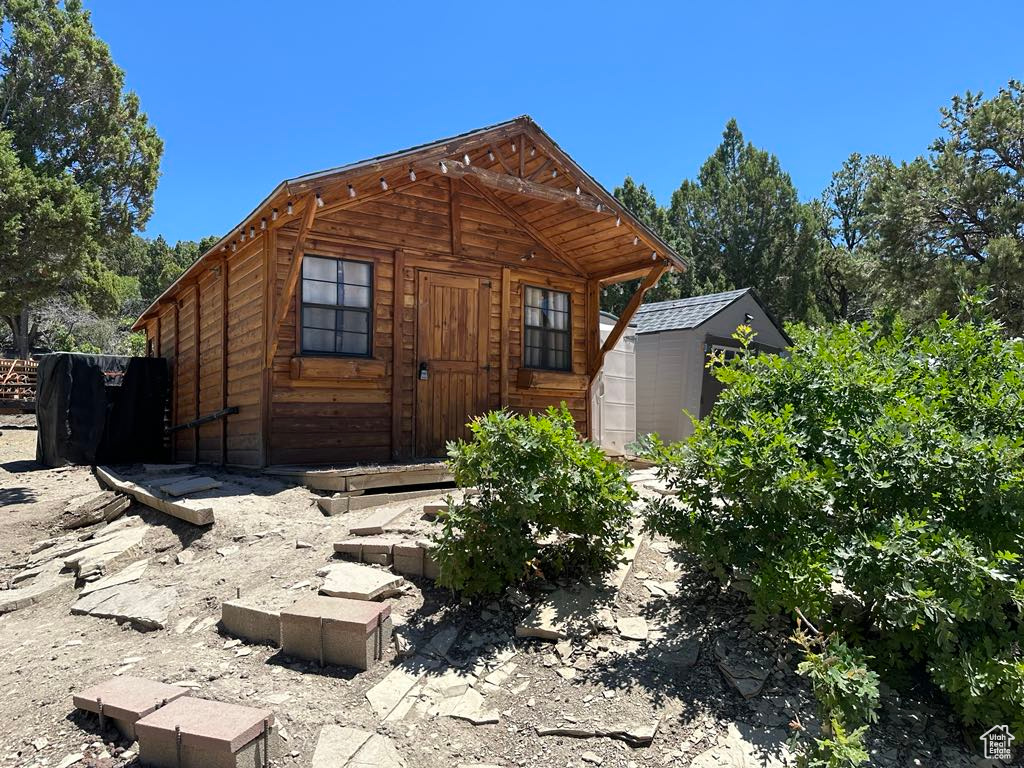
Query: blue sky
pixel 246 94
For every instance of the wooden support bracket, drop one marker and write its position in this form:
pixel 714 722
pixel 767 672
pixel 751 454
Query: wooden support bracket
pixel 294 270
pixel 649 282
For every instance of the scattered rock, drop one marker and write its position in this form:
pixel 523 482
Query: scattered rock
pixel 632 627
pixel 185 557
pixel 592 757
pixel 745 673
pixel 735 750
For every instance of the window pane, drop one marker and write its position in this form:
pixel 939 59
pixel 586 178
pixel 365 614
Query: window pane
pixel 534 297
pixel 560 301
pixel 533 316
pixel 316 292
pixel 317 341
pixel 356 272
pixel 320 269
pixel 534 338
pixel 355 322
pixel 559 320
pixel 354 343
pixel 318 318
pixel 354 296
pixel 532 358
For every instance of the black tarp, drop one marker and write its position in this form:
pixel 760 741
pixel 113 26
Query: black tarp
pixel 101 409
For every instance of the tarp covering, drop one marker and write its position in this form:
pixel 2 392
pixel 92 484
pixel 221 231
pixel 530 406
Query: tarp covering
pixel 100 409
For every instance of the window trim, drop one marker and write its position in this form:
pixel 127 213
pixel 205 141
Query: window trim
pixel 300 325
pixel 567 331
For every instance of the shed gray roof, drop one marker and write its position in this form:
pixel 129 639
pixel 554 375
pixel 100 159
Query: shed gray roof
pixel 680 314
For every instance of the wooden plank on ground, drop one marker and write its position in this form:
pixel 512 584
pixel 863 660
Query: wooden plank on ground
pixel 190 514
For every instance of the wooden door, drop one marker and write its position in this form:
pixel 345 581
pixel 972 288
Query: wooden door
pixel 452 315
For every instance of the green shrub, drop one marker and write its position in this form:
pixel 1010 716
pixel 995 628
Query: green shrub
pixel 886 466
pixel 549 503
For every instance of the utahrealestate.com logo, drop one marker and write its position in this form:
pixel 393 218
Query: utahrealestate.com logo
pixel 997 742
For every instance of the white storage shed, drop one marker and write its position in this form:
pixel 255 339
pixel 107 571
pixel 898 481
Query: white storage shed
pixel 613 395
pixel 673 339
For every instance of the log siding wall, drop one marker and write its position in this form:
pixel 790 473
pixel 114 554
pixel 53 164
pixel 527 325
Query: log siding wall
pixel 323 410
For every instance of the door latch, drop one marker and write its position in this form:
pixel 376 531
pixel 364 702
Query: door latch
pixel 424 372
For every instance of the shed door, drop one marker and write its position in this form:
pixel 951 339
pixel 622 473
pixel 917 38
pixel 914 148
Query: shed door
pixel 451 373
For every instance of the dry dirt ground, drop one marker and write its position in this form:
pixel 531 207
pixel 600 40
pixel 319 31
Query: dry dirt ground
pixel 46 654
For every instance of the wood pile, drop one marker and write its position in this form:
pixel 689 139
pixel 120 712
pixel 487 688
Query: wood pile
pixel 18 379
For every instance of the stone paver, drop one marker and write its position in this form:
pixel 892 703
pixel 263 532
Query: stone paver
pixel 359 582
pixel 207 727
pixel 190 485
pixel 127 699
pixel 145 607
pixel 336 630
pixel 126 575
pixel 337 745
pixel 386 694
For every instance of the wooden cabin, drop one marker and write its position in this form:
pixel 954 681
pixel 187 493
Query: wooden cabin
pixel 366 313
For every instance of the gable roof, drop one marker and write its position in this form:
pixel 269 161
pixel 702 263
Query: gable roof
pixel 693 312
pixel 611 249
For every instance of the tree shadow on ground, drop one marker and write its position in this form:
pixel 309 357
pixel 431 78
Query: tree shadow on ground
pixel 17 495
pixel 677 668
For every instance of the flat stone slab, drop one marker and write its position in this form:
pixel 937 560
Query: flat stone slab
pixel 358 582
pixel 190 485
pixel 126 575
pixel 564 613
pixel 47 581
pixel 144 607
pixel 632 627
pixel 211 726
pixel 375 523
pixel 745 673
pixel 127 698
pixel 92 562
pixel 395 686
pixel 469 707
pixel 738 750
pixel 337 745
pixel 378 752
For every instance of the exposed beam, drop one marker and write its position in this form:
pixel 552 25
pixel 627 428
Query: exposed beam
pixel 539 170
pixel 649 282
pixel 623 274
pixel 294 270
pixel 543 240
pixel 515 185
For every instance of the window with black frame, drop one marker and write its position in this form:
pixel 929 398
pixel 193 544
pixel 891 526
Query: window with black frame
pixel 547 332
pixel 336 299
